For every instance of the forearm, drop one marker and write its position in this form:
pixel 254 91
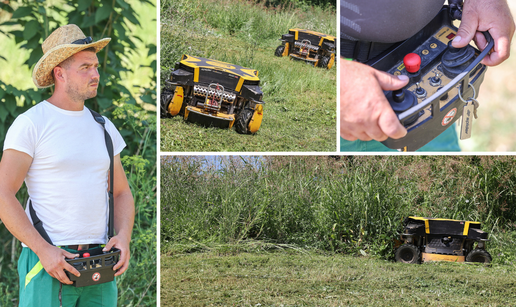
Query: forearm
pixel 124 215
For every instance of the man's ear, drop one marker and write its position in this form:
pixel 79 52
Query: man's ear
pixel 59 74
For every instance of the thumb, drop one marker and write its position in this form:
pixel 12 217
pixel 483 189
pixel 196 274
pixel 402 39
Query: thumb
pixel 467 30
pixel 70 255
pixel 390 82
pixel 109 245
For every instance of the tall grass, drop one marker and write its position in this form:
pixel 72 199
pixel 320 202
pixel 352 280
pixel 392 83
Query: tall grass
pixel 343 204
pixel 300 108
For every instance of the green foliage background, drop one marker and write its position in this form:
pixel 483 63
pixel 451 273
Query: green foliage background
pixel 352 205
pixel 127 95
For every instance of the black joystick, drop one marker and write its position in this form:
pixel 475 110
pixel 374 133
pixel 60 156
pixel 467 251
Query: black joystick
pixel 401 101
pixel 398 95
pixel 456 60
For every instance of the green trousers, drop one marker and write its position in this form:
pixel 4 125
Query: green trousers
pixel 446 141
pixel 37 288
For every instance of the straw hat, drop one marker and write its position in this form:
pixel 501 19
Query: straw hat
pixel 59 46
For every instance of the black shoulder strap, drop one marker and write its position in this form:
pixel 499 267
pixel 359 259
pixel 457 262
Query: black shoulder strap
pixel 38 224
pixel 109 145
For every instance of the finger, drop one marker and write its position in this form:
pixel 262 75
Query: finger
pixel 376 134
pixel 480 41
pixel 501 50
pixel 61 276
pixel 109 245
pixel 71 269
pixel 70 255
pixel 467 29
pixel 348 136
pixel 124 257
pixel 390 125
pixel 123 265
pixel 389 82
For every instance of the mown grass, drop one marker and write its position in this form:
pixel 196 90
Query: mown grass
pixel 293 278
pixel 300 100
pixel 340 204
pixel 320 231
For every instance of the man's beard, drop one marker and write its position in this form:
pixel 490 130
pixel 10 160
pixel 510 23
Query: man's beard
pixel 80 96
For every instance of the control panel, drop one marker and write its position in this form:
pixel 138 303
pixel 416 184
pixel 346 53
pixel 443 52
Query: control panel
pixel 443 80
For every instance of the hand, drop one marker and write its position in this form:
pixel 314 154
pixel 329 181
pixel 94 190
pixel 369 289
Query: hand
pixel 53 260
pixel 123 245
pixel 486 15
pixel 365 113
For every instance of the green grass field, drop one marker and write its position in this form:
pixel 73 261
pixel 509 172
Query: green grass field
pixel 300 109
pixel 295 278
pixel 321 231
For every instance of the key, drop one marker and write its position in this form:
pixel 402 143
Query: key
pixel 476 104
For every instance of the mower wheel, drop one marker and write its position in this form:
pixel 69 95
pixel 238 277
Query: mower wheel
pixel 479 255
pixel 324 62
pixel 242 121
pixel 407 253
pixel 279 51
pixel 166 98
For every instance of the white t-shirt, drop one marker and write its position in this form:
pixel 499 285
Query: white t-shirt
pixel 67 180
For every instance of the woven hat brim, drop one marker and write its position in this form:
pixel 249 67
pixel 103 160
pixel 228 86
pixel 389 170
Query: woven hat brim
pixel 42 73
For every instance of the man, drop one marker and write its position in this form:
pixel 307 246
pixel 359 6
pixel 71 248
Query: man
pixel 59 150
pixel 363 124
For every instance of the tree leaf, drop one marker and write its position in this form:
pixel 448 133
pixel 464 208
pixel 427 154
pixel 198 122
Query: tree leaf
pixel 6 7
pixel 123 4
pixel 102 13
pixel 3 113
pixel 22 12
pixel 104 103
pixel 83 5
pixel 10 104
pixel 129 14
pixel 35 55
pixel 31 28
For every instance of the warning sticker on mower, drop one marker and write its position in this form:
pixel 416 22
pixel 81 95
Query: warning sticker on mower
pixel 96 276
pixel 449 116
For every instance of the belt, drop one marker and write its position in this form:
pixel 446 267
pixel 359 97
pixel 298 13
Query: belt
pixel 81 247
pixel 362 51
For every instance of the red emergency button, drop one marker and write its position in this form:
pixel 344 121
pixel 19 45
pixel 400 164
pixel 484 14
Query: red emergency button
pixel 412 62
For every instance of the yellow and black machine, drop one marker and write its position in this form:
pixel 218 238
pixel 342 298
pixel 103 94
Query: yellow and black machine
pixel 433 239
pixel 310 46
pixel 214 93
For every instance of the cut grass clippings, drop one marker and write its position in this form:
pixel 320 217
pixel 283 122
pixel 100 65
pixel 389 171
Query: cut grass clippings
pixel 291 278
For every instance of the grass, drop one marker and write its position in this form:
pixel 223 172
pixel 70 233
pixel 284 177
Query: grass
pixel 293 278
pixel 347 205
pixel 300 109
